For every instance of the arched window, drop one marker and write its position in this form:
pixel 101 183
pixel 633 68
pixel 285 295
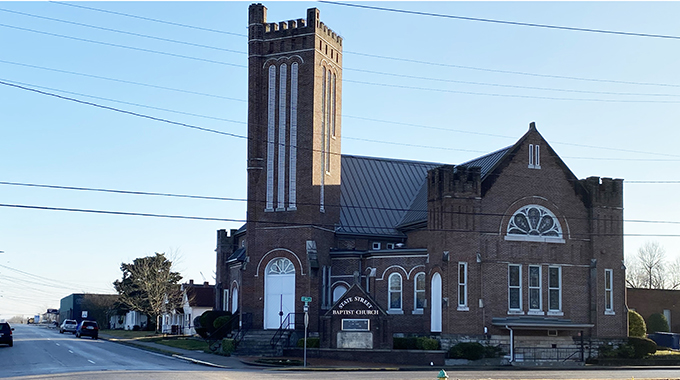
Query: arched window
pixel 338 292
pixel 419 293
pixel 536 223
pixel 394 282
pixel 281 265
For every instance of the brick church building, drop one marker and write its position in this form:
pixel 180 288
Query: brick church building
pixel 507 246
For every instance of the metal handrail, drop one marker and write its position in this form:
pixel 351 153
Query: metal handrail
pixel 214 340
pixel 246 324
pixel 285 326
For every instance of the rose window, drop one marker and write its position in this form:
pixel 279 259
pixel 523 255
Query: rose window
pixel 534 221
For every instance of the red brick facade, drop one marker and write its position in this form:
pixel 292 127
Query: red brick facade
pixel 295 208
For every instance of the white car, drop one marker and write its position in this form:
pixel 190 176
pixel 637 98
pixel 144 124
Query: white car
pixel 69 325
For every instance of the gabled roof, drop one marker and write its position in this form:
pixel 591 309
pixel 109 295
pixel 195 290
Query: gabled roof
pixel 200 295
pixel 377 192
pixel 417 212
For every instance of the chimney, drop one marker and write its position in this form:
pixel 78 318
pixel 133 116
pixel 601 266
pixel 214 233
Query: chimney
pixel 191 282
pixel 206 283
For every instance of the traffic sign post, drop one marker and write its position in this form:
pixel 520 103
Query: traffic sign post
pixel 306 300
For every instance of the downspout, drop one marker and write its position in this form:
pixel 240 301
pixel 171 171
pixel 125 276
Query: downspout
pixel 512 344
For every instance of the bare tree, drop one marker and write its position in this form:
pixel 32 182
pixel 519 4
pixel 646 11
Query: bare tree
pixel 149 285
pixel 647 268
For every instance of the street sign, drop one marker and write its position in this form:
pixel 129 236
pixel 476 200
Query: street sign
pixel 306 299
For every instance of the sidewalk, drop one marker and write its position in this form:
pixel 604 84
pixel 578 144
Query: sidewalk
pixel 316 364
pixel 242 362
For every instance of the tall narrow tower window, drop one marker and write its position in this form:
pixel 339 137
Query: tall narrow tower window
pixel 292 170
pixel 537 156
pixel 329 108
pixel 334 108
pixel 323 139
pixel 271 135
pixel 281 180
pixel 531 156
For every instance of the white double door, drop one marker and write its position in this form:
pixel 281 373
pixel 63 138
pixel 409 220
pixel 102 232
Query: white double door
pixel 279 300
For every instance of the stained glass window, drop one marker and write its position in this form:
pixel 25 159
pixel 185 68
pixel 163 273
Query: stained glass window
pixel 534 220
pixel 281 265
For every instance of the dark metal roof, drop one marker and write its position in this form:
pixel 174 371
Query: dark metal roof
pixel 539 323
pixel 418 209
pixel 239 254
pixel 487 162
pixel 376 193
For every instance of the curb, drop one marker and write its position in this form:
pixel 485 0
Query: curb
pixel 196 361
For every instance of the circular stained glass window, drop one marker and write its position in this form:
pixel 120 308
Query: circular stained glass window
pixel 534 220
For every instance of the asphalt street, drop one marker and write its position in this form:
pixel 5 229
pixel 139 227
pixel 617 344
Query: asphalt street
pixel 42 353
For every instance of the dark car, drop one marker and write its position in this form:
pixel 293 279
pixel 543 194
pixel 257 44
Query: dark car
pixel 87 328
pixel 6 334
pixel 69 325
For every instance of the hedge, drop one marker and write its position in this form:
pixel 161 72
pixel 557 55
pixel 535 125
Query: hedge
pixel 657 323
pixel 636 324
pixel 415 343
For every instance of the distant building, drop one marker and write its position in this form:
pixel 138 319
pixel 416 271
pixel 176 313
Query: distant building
pixel 197 299
pixel 87 306
pixel 651 301
pixel 507 247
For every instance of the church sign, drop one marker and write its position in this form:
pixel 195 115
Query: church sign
pixel 356 321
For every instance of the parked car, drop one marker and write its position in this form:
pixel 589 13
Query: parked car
pixel 69 325
pixel 6 334
pixel 87 328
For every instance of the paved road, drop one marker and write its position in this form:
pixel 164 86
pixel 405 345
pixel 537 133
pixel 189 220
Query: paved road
pixel 41 353
pixel 38 350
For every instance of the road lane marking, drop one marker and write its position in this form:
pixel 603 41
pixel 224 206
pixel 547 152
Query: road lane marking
pixel 58 344
pixel 70 351
pixel 90 361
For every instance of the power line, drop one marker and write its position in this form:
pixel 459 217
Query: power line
pixel 121 213
pixel 123 32
pixel 440 80
pixel 515 23
pixel 510 95
pixel 390 228
pixel 122 191
pixel 124 111
pixel 374 208
pixel 402 59
pixel 149 19
pixel 123 46
pixel 123 81
pixel 245 137
pixel 128 103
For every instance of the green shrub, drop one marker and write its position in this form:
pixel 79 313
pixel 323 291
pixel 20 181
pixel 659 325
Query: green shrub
pixel 493 351
pixel 227 347
pixel 657 323
pixel 311 342
pixel 415 343
pixel 636 324
pixel 399 344
pixel 424 343
pixel 221 321
pixel 642 346
pixel 467 350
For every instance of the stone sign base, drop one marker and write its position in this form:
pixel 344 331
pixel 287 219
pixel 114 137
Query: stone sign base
pixel 359 340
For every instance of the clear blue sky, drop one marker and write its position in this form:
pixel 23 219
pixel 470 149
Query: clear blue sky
pixel 486 83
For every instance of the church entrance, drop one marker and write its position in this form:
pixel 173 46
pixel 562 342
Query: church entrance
pixel 279 287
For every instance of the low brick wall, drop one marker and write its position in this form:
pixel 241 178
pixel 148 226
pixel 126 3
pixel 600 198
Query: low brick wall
pixel 402 357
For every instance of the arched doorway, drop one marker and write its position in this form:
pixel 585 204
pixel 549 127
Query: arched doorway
pixel 279 288
pixel 436 303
